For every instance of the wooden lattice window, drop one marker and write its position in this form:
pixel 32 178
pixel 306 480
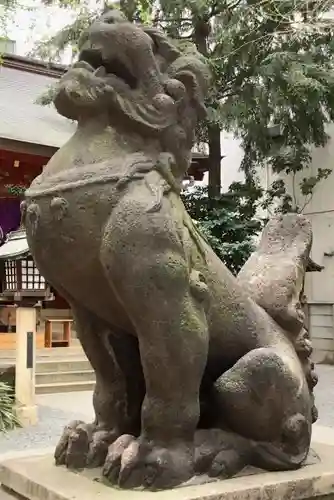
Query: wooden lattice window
pixel 10 275
pixel 30 276
pixel 23 275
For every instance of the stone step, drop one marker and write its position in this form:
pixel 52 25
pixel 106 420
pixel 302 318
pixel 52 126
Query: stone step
pixel 42 354
pixel 62 365
pixel 64 354
pixel 64 387
pixel 75 354
pixel 58 377
pixel 59 351
pixel 62 375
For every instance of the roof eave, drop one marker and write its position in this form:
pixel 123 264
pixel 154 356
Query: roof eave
pixel 15 256
pixel 33 65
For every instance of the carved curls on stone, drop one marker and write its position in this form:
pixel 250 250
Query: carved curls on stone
pixel 32 216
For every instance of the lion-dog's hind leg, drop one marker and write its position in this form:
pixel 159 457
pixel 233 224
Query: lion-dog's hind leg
pixel 265 398
pixel 117 397
pixel 145 261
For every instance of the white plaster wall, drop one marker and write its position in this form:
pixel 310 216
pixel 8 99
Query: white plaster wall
pixel 230 165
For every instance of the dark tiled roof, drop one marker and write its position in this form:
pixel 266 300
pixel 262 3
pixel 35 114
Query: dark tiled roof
pixel 23 63
pixel 22 81
pixel 15 247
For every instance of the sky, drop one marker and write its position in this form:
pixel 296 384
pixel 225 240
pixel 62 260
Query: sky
pixel 34 21
pixel 27 26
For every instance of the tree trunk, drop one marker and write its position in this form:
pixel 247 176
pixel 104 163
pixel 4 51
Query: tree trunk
pixel 214 186
pixel 201 33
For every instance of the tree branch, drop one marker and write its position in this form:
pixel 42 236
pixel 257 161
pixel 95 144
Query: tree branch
pixel 236 4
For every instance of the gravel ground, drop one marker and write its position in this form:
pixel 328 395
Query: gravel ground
pixel 56 410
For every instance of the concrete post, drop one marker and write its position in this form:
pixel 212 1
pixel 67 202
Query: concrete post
pixel 25 365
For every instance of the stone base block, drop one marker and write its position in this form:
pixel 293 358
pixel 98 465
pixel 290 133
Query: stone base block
pixel 37 478
pixel 27 415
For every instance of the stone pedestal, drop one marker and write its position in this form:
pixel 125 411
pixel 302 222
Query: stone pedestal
pixel 37 478
pixel 25 365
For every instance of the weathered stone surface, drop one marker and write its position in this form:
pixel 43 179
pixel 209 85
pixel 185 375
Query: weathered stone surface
pixel 196 372
pixel 36 478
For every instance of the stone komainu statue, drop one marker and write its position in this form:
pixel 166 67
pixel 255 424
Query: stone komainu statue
pixel 197 372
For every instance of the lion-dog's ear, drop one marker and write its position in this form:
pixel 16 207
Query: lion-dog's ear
pixel 164 47
pixel 195 76
pixel 194 90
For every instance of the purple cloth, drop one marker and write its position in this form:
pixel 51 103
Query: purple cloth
pixel 10 216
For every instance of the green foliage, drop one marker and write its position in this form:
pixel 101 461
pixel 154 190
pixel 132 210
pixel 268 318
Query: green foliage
pixel 272 62
pixel 8 419
pixel 229 222
pixel 6 9
pixel 278 69
pixel 48 95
